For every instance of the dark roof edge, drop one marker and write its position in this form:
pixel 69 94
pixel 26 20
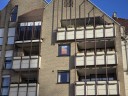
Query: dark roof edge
pixel 103 12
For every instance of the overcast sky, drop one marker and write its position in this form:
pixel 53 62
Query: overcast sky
pixel 108 6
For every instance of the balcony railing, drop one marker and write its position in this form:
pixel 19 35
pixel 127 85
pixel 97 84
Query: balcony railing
pixel 101 88
pixel 100 32
pixel 26 62
pixel 89 60
pixel 31 89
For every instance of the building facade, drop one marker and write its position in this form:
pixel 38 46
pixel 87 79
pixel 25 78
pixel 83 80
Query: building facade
pixel 65 48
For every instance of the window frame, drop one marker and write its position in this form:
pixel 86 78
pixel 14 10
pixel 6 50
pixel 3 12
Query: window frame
pixel 59 50
pixel 63 71
pixel 5 64
pixel 14 13
pixel 68 3
pixel 5 87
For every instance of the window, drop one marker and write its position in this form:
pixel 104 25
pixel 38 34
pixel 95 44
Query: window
pixel 68 3
pixel 1 32
pixel 64 50
pixel 63 77
pixel 11 35
pixel 13 16
pixel 8 63
pixel 0 53
pixel 5 85
pixel 1 41
pixel 9 53
pixel 29 30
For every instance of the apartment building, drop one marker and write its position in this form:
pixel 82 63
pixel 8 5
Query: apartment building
pixel 65 48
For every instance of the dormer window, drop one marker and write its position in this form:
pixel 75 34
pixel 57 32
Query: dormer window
pixel 68 3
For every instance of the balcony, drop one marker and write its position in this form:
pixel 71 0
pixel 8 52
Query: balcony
pixel 89 60
pixel 28 32
pixel 100 88
pixel 25 62
pixel 31 89
pixel 100 32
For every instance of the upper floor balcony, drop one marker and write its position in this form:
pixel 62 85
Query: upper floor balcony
pixel 26 62
pixel 100 58
pixel 28 32
pixel 26 57
pixel 24 89
pixel 79 33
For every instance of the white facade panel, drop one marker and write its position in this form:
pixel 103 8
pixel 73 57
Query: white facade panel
pixel 112 89
pixel 110 59
pixel 101 89
pixel 80 34
pixel 100 60
pixel 109 32
pixel 61 36
pixel 69 35
pixel 90 89
pixel 99 33
pixel 25 63
pixel 79 89
pixel 33 63
pixel 13 91
pixel 80 61
pixel 89 34
pixel 16 64
pixel 90 60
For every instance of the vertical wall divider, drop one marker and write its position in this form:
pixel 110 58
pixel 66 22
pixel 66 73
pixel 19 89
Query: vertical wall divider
pixel 57 12
pixel 118 85
pixel 94 24
pixel 75 49
pixel 85 71
pixel 105 57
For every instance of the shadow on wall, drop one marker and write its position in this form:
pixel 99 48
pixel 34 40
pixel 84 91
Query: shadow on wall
pixel 71 62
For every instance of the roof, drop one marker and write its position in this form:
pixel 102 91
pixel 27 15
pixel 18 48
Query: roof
pixel 123 22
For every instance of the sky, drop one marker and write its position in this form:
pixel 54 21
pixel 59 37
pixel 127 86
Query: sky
pixel 108 6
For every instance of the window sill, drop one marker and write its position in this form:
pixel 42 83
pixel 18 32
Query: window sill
pixel 62 83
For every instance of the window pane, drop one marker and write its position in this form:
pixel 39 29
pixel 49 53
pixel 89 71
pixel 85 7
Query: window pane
pixel 5 91
pixel 1 32
pixel 63 77
pixel 14 14
pixel 10 40
pixel 0 53
pixel 11 32
pixel 37 32
pixel 9 53
pixel 6 81
pixel 1 41
pixel 68 3
pixel 8 63
pixel 64 50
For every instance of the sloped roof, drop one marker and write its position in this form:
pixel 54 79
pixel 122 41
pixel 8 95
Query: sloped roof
pixel 123 22
pixel 35 14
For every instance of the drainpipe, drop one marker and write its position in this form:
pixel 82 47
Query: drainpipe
pixel 126 48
